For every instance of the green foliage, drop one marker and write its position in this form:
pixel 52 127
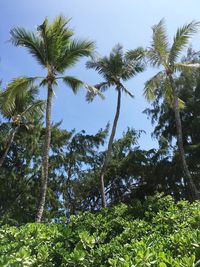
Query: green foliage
pixel 116 68
pixel 156 233
pixel 161 54
pixel 52 45
pixel 163 118
pixel 19 98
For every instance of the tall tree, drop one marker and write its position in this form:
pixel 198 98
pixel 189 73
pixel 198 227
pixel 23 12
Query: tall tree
pixel 55 50
pixel 162 54
pixel 17 106
pixel 115 69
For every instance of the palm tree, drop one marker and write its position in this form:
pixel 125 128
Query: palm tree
pixel 55 50
pixel 18 106
pixel 162 54
pixel 115 69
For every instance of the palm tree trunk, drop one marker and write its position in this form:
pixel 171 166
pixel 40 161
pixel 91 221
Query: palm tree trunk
pixel 109 150
pixel 45 160
pixel 194 194
pixel 10 141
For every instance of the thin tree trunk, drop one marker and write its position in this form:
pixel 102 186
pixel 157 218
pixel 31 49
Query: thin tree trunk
pixel 109 150
pixel 194 194
pixel 10 141
pixel 45 160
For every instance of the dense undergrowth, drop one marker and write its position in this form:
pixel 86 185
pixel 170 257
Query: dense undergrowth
pixel 155 233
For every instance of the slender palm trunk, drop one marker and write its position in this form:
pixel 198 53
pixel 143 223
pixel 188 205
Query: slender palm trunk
pixel 10 141
pixel 194 194
pixel 109 150
pixel 45 160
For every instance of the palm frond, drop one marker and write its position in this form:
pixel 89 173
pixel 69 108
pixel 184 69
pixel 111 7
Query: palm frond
pixel 73 52
pixel 16 95
pixel 166 90
pixel 186 67
pixel 37 106
pixel 168 95
pixel 136 54
pixel 131 68
pixel 92 64
pixel 73 83
pixel 60 25
pixel 117 50
pixel 102 66
pixel 44 82
pixel 92 92
pixel 99 64
pixel 158 52
pixel 127 91
pixel 34 44
pixel 76 84
pixel 181 40
pixel 151 85
pixel 56 37
pixel 101 87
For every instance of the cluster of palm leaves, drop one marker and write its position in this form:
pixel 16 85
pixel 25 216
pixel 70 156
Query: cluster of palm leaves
pixel 55 49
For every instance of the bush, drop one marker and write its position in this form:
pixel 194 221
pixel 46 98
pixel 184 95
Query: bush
pixel 156 233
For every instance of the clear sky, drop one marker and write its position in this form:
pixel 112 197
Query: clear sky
pixel 107 22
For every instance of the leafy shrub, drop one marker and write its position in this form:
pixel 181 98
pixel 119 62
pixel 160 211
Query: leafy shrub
pixel 157 233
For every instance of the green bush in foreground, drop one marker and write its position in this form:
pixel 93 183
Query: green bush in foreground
pixel 155 233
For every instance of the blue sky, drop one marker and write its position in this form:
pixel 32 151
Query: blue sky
pixel 107 22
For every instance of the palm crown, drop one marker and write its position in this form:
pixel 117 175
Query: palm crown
pixel 117 67
pixel 53 47
pixel 161 54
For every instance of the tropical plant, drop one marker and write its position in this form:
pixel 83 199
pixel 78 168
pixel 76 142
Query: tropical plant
pixel 161 54
pixel 55 50
pixel 18 106
pixel 115 69
pixel 157 232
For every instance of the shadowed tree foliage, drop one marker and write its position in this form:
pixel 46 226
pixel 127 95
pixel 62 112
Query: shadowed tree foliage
pixel 18 107
pixel 20 171
pixel 73 157
pixel 74 166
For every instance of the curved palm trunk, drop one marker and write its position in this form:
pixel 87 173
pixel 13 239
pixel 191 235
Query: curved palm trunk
pixel 10 141
pixel 109 150
pixel 45 160
pixel 194 194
